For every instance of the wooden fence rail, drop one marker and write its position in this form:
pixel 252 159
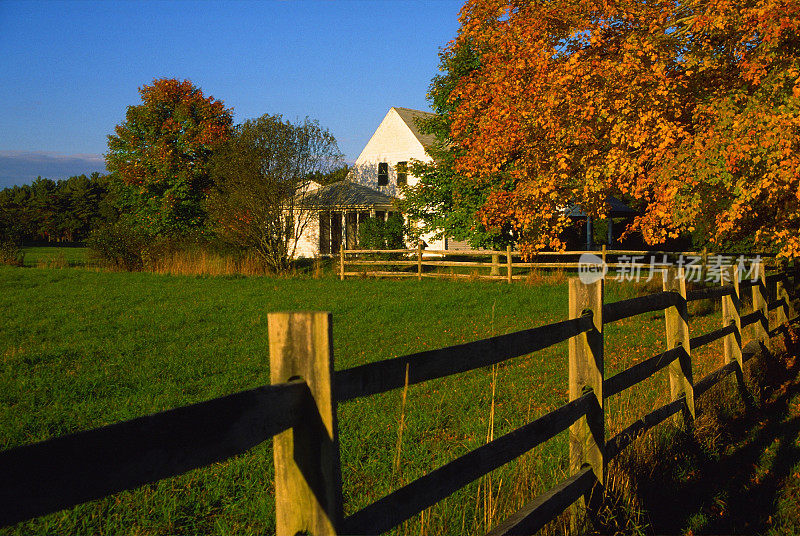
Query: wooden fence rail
pixel 299 410
pixel 497 270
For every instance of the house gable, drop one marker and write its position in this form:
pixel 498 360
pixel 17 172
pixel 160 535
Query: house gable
pixel 397 139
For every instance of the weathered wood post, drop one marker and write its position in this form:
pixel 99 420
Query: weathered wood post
pixel 677 330
pixel 603 252
pixel 761 328
pixel 732 349
pixel 731 316
pixel 495 264
pixel 587 435
pixel 419 260
pixel 786 311
pixel 308 483
pixel 341 263
pixel 509 264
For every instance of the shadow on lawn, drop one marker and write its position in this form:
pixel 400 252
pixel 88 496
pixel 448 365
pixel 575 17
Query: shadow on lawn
pixel 727 476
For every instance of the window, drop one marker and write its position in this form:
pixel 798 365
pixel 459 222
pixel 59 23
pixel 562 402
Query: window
pixel 383 174
pixel 402 173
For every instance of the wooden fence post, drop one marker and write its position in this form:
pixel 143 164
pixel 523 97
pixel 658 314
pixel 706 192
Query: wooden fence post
pixel 308 483
pixel 786 311
pixel 677 326
pixel 509 264
pixel 341 263
pixel 419 260
pixel 761 328
pixel 495 264
pixel 732 350
pixel 731 316
pixel 587 435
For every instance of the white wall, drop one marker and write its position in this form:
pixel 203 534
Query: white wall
pixel 392 142
pixel 308 243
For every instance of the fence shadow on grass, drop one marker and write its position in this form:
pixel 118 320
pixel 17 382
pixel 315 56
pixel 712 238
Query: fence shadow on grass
pixel 718 479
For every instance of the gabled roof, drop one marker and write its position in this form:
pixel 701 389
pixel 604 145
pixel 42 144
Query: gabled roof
pixel 346 194
pixel 409 117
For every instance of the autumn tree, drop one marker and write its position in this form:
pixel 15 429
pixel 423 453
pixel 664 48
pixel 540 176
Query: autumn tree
pixel 161 154
pixel 691 109
pixel 442 201
pixel 261 176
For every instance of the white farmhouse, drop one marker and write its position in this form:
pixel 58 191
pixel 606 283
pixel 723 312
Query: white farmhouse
pixel 371 189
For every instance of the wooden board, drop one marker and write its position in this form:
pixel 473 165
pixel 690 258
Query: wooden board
pixel 619 310
pixel 587 436
pixel 383 376
pixel 640 372
pixel 708 338
pixel 709 293
pixel 676 320
pixel 427 490
pixel 547 506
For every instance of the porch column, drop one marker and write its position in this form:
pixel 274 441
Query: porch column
pixel 344 230
pixel 588 233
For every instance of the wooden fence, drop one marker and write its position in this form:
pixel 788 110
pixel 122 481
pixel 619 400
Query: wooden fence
pixel 299 410
pixel 509 265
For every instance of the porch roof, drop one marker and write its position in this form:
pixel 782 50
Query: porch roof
pixel 616 209
pixel 346 194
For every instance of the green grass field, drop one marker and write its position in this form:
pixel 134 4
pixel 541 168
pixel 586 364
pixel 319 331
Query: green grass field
pixel 59 257
pixel 84 348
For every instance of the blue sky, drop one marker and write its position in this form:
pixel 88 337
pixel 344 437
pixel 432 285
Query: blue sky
pixel 69 69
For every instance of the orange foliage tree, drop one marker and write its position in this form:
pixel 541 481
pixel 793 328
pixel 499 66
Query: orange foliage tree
pixel 161 155
pixel 690 108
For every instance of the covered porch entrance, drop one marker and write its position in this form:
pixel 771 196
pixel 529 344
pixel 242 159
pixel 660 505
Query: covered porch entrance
pixel 341 227
pixel 341 208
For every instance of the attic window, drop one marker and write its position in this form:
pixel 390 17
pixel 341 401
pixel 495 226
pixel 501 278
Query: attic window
pixel 383 173
pixel 402 172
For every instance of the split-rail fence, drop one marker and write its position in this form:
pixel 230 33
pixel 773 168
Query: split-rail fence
pixel 509 265
pixel 299 410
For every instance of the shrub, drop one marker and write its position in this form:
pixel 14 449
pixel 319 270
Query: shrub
pixel 394 232
pixel 10 253
pixel 119 244
pixel 370 234
pixel 375 233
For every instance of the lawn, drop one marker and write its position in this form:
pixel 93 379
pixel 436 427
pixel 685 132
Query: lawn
pixel 54 256
pixel 84 348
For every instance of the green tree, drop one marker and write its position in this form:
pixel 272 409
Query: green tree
pixel 260 178
pixel 162 152
pixel 337 174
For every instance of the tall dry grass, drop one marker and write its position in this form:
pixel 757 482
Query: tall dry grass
pixel 57 262
pixel 202 262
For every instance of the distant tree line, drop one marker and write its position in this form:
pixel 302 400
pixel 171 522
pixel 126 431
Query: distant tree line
pixel 56 210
